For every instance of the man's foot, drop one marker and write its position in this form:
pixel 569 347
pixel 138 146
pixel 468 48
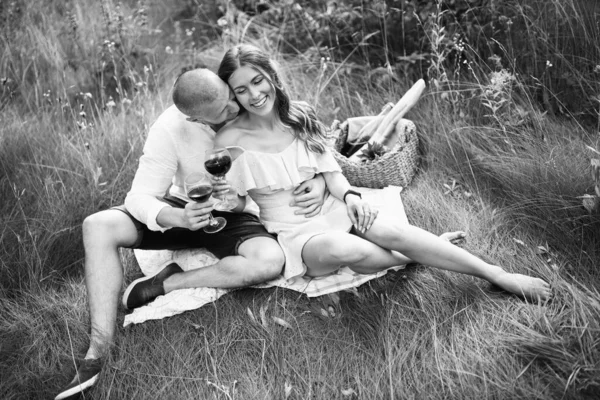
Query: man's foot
pixel 524 286
pixel 144 290
pixel 86 375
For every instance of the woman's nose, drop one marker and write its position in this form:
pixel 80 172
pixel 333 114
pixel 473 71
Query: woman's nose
pixel 254 93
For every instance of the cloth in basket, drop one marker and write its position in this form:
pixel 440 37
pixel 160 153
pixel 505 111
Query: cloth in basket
pixel 396 167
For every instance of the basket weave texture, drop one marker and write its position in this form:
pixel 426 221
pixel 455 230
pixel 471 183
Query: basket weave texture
pixel 396 167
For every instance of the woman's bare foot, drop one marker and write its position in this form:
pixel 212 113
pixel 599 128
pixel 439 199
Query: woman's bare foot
pixel 453 237
pixel 524 286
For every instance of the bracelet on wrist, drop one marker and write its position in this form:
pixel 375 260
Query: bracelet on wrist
pixel 350 191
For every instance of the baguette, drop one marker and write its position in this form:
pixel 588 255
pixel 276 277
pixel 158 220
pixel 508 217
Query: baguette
pixel 385 134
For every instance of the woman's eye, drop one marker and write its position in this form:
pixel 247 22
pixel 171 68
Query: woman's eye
pixel 258 80
pixel 240 91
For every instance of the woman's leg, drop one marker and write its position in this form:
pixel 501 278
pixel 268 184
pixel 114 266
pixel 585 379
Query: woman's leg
pixel 427 248
pixel 329 251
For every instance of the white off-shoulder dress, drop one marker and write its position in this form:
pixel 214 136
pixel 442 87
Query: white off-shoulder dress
pixel 270 178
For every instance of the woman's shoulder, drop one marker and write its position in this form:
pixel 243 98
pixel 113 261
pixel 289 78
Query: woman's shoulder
pixel 229 134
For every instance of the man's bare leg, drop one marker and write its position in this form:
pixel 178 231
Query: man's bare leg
pixel 259 260
pixel 103 234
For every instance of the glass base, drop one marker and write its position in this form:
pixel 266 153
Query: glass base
pixel 224 205
pixel 215 225
pixel 227 202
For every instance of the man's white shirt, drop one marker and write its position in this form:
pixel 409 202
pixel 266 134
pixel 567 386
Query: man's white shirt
pixel 174 148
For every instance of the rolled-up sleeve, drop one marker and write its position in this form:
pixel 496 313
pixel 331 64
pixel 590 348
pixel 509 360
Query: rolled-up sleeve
pixel 154 175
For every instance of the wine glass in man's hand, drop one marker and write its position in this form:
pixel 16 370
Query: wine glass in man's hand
pixel 218 163
pixel 198 187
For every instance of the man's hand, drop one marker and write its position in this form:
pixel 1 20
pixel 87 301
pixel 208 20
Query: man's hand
pixel 196 215
pixel 309 196
pixel 360 212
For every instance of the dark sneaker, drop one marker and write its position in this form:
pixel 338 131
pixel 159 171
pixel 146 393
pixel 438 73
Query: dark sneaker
pixel 86 375
pixel 144 290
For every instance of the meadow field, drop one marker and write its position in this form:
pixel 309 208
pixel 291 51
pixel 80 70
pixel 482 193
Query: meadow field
pixel 508 128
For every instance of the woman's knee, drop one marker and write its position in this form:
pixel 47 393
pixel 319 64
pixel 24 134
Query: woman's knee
pixel 342 249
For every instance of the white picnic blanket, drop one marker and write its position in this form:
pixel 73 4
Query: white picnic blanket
pixel 387 200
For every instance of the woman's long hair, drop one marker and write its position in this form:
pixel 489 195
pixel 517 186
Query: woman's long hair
pixel 300 116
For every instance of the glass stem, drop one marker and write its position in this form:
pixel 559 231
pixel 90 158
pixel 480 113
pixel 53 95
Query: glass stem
pixel 224 195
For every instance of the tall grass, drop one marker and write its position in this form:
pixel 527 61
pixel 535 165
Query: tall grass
pixel 494 164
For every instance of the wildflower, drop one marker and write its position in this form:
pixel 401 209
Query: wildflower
pixel 222 22
pixel 111 103
pixel 597 69
pixel 168 50
pixel 126 101
pixel 88 95
pixel 501 81
pixel 548 64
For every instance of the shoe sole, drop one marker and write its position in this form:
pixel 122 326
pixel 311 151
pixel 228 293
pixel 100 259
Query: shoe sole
pixel 78 389
pixel 132 285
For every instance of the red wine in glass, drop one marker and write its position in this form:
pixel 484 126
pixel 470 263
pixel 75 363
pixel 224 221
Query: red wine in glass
pixel 218 166
pixel 218 163
pixel 199 188
pixel 200 194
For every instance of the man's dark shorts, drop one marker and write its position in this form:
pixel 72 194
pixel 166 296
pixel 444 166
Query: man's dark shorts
pixel 240 227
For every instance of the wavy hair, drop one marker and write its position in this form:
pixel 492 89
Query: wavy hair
pixel 298 115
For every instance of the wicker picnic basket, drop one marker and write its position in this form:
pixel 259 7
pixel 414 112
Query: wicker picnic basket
pixel 396 167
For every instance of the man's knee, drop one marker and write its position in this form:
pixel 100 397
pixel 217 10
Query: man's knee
pixel 109 228
pixel 265 255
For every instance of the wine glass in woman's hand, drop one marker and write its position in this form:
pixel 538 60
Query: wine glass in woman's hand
pixel 198 187
pixel 218 163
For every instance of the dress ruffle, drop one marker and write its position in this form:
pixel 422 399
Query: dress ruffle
pixel 277 171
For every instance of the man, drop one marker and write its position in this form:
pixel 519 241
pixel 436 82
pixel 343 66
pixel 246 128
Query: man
pixel 151 219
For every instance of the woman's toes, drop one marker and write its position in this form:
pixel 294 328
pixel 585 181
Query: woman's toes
pixel 453 236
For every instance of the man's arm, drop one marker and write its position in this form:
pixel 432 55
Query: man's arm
pixel 154 175
pixel 309 196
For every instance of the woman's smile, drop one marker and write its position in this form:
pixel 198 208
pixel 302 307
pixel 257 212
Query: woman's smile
pixel 260 103
pixel 253 90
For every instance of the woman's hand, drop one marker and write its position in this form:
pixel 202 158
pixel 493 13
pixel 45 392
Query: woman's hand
pixel 309 196
pixel 360 212
pixel 220 187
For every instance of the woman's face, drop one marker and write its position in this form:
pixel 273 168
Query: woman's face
pixel 253 90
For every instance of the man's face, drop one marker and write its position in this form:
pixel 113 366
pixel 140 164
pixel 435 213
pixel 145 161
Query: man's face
pixel 223 108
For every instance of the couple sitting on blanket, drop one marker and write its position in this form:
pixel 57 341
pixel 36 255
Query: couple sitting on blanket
pixel 282 161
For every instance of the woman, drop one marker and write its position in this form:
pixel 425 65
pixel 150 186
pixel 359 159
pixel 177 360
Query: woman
pixel 281 144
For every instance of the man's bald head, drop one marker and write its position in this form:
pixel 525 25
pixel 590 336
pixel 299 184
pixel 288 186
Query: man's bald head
pixel 195 89
pixel 204 97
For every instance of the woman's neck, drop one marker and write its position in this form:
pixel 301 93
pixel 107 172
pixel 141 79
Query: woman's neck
pixel 269 122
